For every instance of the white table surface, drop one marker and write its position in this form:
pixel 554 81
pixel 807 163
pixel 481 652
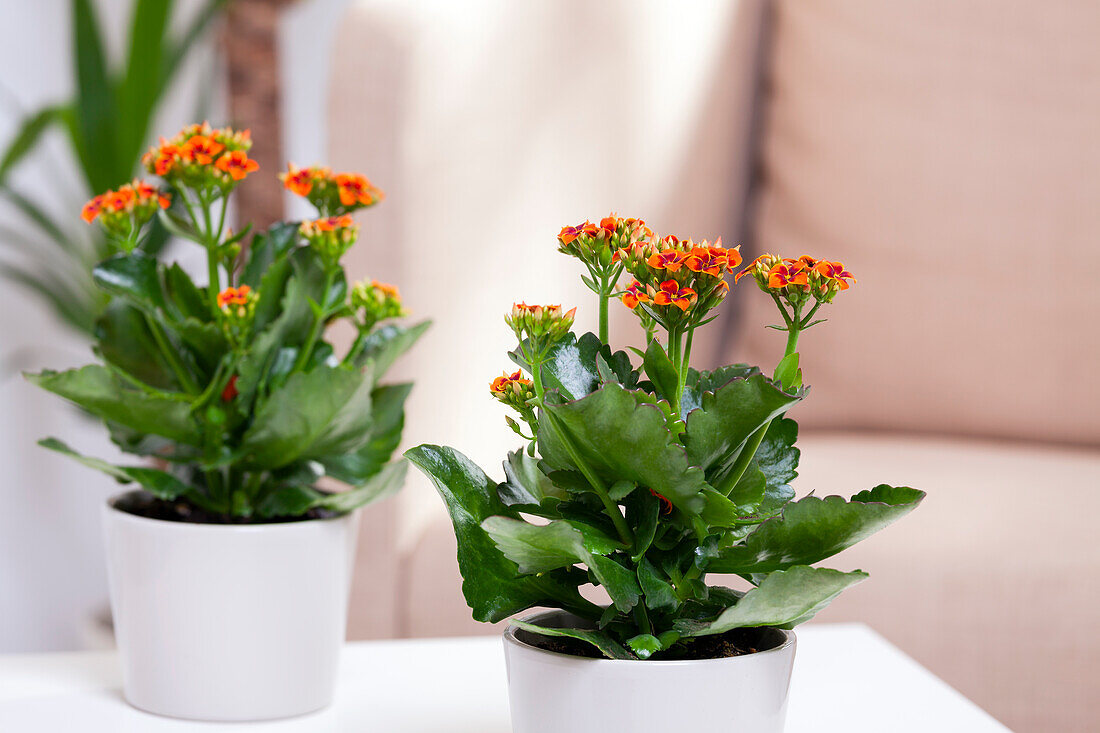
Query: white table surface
pixel 847 679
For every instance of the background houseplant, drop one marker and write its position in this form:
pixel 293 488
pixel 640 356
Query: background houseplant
pixel 235 388
pixel 105 124
pixel 651 477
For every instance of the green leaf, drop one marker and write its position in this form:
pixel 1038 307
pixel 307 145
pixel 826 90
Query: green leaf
pixel 660 370
pixel 750 488
pixel 141 85
pixel 98 391
pixel 700 382
pixel 602 641
pixel 28 136
pixel 812 529
pixel 383 436
pixel 783 599
pixel 644 645
pixel 623 437
pixel 96 110
pixel 158 483
pixel 288 501
pixel 659 594
pixel 135 277
pixel 536 548
pixel 175 53
pixel 572 365
pixel 643 511
pixel 267 248
pixel 384 483
pixel 540 548
pixel 43 222
pixel 68 302
pixel 315 414
pixel 124 340
pixel 787 372
pixel 490 583
pixel 387 343
pixel 718 430
pixel 525 485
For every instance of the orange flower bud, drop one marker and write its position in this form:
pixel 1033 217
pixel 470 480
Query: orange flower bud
pixel 540 322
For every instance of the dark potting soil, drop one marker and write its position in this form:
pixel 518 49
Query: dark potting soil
pixel 150 507
pixel 733 643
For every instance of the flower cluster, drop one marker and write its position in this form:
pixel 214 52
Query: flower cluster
pixel 123 211
pixel 376 302
pixel 673 274
pixel 330 237
pixel 796 280
pixel 238 308
pixel 202 157
pixel 512 389
pixel 330 193
pixel 543 324
pixel 598 245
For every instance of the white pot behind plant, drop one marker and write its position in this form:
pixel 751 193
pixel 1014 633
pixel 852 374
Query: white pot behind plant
pixel 550 692
pixel 229 622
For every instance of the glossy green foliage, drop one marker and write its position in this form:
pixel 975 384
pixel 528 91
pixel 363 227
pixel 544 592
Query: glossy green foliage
pixel 106 126
pixel 247 429
pixel 703 491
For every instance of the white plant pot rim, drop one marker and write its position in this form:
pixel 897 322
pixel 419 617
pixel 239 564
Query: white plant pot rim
pixel 186 526
pixel 562 658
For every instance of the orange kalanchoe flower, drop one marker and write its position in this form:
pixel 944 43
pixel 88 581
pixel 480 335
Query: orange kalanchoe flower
pixel 670 260
pixel 385 288
pixel 672 294
pixel 200 156
pixel 234 296
pixel 163 157
pixel 200 149
pixel 506 382
pixel 328 224
pixel 634 295
pixel 712 259
pixel 760 265
pixel 124 211
pixel 300 180
pixel 834 271
pixel 787 273
pixel 568 234
pixel 356 190
pixel 237 164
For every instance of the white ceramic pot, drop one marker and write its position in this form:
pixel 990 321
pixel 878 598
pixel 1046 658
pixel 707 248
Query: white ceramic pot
pixel 229 622
pixel 551 692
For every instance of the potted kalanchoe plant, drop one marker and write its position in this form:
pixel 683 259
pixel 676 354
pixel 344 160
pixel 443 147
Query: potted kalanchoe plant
pixel 230 565
pixel 643 479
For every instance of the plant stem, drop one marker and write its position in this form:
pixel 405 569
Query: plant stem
pixel 792 340
pixel 641 616
pixel 611 507
pixel 356 347
pixel 170 356
pixel 318 322
pixel 613 511
pixel 682 371
pixel 604 296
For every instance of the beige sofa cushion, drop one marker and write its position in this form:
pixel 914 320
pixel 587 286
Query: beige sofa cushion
pixel 489 137
pixel 947 152
pixel 990 583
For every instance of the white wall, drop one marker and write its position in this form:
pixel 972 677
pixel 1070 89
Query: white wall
pixel 51 568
